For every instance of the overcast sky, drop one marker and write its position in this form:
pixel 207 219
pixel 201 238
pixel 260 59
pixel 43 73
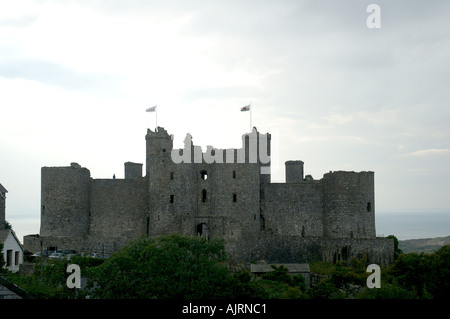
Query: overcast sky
pixel 77 76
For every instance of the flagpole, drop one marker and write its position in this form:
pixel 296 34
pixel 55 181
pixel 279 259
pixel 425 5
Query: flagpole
pixel 250 117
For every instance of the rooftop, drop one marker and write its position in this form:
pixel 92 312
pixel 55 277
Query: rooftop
pixel 2 189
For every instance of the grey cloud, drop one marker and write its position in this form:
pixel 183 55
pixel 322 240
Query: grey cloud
pixel 55 74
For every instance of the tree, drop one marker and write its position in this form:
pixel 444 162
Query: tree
pixel 279 284
pixel 439 281
pixel 412 271
pixel 387 291
pixel 166 267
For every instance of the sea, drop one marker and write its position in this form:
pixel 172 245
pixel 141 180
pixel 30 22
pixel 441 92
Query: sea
pixel 413 225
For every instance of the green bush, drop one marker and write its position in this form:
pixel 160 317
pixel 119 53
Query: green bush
pixel 167 267
pixel 48 280
pixel 387 291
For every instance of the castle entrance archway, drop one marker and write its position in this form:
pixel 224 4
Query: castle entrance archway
pixel 203 230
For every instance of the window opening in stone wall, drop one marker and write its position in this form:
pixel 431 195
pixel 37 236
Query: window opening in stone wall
pixel 164 150
pixel 234 198
pixel 204 196
pixel 171 199
pixel 171 175
pixel 148 225
pixel 16 258
pixel 369 207
pixel 204 175
pixel 234 174
pixel 303 231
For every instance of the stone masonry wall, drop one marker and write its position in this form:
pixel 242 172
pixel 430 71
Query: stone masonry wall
pixel 201 189
pixel 118 208
pixel 329 219
pixel 349 207
pixel 293 209
pixel 274 248
pixel 65 201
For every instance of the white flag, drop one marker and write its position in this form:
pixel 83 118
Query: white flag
pixel 151 109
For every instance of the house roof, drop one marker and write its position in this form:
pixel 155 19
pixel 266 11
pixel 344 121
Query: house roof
pixel 16 289
pixel 2 189
pixel 4 234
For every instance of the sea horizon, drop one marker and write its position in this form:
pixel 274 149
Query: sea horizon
pixel 413 224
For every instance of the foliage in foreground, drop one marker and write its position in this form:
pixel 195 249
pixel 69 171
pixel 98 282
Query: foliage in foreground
pixel 165 268
pixel 176 267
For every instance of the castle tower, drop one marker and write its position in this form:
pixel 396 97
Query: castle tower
pixel 215 193
pixel 158 145
pixel 170 192
pixel 349 205
pixel 3 192
pixel 133 170
pixel 257 149
pixel 65 201
pixel 294 171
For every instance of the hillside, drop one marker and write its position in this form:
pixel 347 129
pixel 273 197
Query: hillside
pixel 426 245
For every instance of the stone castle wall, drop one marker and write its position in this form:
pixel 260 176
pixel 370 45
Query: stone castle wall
pixel 272 248
pixel 212 194
pixel 349 205
pixel 65 201
pixel 293 209
pixel 118 208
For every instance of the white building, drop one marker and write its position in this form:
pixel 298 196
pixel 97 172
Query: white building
pixel 12 250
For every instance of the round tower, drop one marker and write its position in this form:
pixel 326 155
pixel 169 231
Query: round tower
pixel 65 201
pixel 349 205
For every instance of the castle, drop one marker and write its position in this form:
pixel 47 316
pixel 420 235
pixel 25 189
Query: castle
pixel 216 194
